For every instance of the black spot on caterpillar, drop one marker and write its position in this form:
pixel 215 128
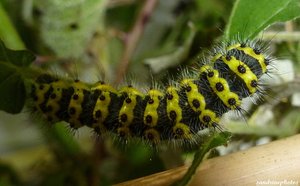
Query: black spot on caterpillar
pixel 231 72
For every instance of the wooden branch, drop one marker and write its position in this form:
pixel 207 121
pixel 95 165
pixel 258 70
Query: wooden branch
pixel 276 162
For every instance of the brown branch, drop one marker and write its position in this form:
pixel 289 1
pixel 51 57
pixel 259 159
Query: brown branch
pixel 133 38
pixel 276 161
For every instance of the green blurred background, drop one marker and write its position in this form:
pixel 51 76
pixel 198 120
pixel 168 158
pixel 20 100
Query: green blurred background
pixel 94 39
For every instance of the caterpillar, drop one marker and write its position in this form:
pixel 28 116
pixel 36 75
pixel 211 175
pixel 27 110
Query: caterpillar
pixel 230 72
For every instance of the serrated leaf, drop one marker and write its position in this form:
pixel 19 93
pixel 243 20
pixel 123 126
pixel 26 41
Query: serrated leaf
pixel 249 17
pixel 13 93
pixel 20 58
pixel 212 142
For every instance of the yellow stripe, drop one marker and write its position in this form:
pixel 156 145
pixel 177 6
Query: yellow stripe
pixel 155 135
pixel 54 103
pixel 211 114
pixel 128 108
pixel 249 51
pixel 124 131
pixel 130 90
pixel 151 108
pixel 40 93
pixel 247 77
pixel 76 103
pixel 193 94
pixel 104 87
pixel 186 132
pixel 102 105
pixel 173 104
pixel 224 95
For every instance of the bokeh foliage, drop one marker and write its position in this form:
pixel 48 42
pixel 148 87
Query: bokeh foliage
pixel 89 39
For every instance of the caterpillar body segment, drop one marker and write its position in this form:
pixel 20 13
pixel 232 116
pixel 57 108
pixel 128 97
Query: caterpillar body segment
pixel 55 102
pixel 101 105
pixel 243 72
pixel 178 112
pixel 151 113
pixel 255 53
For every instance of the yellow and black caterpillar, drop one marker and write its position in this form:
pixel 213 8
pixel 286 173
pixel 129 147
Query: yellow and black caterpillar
pixel 230 73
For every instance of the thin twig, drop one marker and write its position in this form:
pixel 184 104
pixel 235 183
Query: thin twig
pixel 133 38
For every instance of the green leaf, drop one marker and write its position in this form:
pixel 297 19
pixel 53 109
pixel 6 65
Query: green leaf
pixel 249 17
pixel 67 26
pixel 8 32
pixel 291 11
pixel 19 58
pixel 13 93
pixel 212 142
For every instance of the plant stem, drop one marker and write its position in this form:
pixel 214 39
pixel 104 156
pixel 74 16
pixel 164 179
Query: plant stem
pixel 133 38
